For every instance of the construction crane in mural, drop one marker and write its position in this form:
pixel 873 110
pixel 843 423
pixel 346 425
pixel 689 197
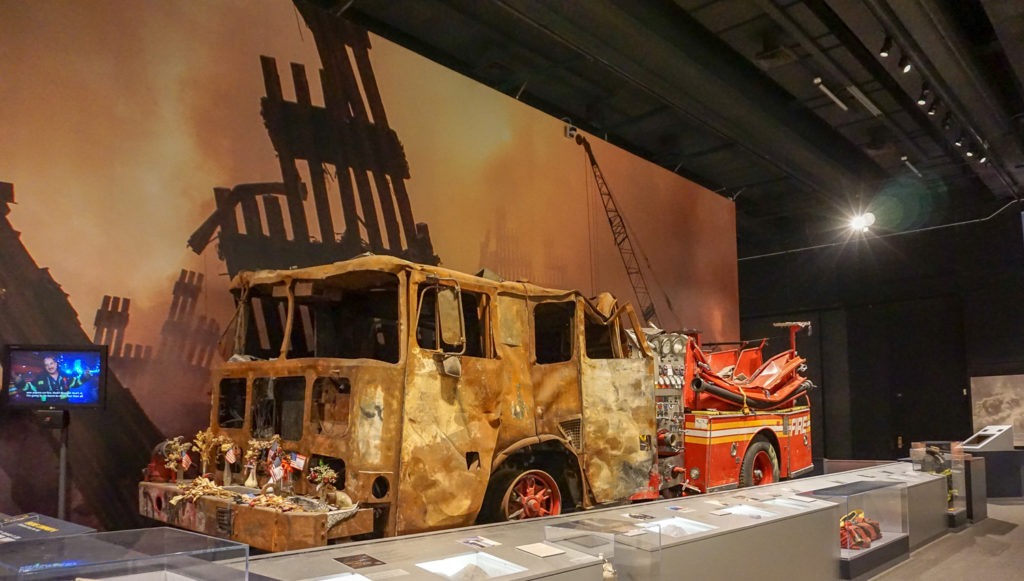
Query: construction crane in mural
pixel 621 235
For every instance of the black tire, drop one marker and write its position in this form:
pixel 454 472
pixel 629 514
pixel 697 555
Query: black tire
pixel 499 492
pixel 759 453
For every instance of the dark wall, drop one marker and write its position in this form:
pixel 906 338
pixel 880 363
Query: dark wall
pixel 902 323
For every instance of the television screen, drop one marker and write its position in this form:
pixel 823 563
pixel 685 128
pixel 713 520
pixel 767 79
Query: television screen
pixel 54 376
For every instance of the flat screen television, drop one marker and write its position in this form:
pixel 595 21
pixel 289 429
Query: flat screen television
pixel 54 376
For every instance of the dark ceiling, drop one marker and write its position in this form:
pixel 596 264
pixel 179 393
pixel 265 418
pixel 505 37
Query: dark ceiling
pixel 734 94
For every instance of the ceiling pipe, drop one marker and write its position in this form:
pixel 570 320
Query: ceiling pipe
pixel 828 93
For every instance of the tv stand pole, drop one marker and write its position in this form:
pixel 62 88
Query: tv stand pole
pixel 59 419
pixel 62 478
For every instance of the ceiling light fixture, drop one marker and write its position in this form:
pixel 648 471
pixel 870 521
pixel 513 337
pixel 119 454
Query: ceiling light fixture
pixel 947 121
pixel 909 165
pixel 983 158
pixel 959 141
pixel 830 94
pixel 969 152
pixel 904 64
pixel 868 104
pixel 860 223
pixel 886 49
pixel 934 108
pixel 843 242
pixel 923 99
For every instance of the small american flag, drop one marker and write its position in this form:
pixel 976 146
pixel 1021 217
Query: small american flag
pixel 230 456
pixel 298 461
pixel 186 461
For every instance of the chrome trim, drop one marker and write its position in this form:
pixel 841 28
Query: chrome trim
pixel 801 471
pixel 725 487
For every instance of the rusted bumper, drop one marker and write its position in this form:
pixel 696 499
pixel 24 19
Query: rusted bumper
pixel 259 527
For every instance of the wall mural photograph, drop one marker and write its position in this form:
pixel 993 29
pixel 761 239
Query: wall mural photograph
pixel 997 401
pixel 152 151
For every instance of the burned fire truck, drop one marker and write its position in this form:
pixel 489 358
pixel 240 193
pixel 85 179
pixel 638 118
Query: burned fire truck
pixel 441 399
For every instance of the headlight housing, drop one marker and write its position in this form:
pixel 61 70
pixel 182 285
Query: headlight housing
pixel 678 345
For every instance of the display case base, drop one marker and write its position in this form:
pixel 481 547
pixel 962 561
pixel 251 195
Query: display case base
pixel 1004 473
pixel 865 563
pixel 957 519
pixel 976 489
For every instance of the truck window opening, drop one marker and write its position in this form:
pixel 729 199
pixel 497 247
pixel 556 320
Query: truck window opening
pixel 231 406
pixel 477 320
pixel 353 316
pixel 598 338
pixel 277 407
pixel 552 323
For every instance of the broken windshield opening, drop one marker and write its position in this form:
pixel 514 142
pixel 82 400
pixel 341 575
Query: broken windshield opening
pixel 348 316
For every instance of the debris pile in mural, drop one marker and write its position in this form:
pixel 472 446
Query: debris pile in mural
pixel 104 462
pixel 178 369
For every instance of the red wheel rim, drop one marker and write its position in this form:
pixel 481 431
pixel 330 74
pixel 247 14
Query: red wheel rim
pixel 532 494
pixel 763 469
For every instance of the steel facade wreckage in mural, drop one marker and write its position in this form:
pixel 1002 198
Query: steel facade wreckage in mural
pixel 442 399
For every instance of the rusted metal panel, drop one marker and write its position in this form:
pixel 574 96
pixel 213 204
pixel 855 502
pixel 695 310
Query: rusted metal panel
pixel 512 323
pixel 372 411
pixel 437 487
pixel 201 516
pixel 273 530
pixel 263 528
pixel 619 425
pixel 556 395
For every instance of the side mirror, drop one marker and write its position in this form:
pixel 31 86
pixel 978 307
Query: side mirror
pixel 451 365
pixel 450 316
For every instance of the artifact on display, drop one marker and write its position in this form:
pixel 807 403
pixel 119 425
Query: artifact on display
pixel 377 396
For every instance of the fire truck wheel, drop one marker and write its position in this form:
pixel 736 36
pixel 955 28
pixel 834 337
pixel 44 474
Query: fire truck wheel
pixel 760 464
pixel 516 494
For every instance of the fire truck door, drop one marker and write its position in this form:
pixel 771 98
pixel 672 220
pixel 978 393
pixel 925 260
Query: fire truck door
pixel 448 432
pixel 618 416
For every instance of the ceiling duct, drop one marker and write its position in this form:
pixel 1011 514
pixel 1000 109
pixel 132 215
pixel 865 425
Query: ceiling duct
pixel 879 141
pixel 773 53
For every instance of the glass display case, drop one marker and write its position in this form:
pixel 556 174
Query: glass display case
pixel 679 527
pixel 956 481
pixel 946 459
pixel 473 565
pixel 631 550
pixel 138 555
pixel 874 531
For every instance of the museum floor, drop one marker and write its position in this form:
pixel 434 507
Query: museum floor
pixel 990 549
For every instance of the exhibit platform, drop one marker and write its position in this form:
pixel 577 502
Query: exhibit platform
pixel 775 531
pixel 788 530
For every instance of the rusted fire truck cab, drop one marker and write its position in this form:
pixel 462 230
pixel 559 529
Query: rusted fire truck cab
pixel 440 397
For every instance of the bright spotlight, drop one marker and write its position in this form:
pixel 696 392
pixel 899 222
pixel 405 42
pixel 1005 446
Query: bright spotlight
pixel 886 49
pixel 861 222
pixel 904 64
